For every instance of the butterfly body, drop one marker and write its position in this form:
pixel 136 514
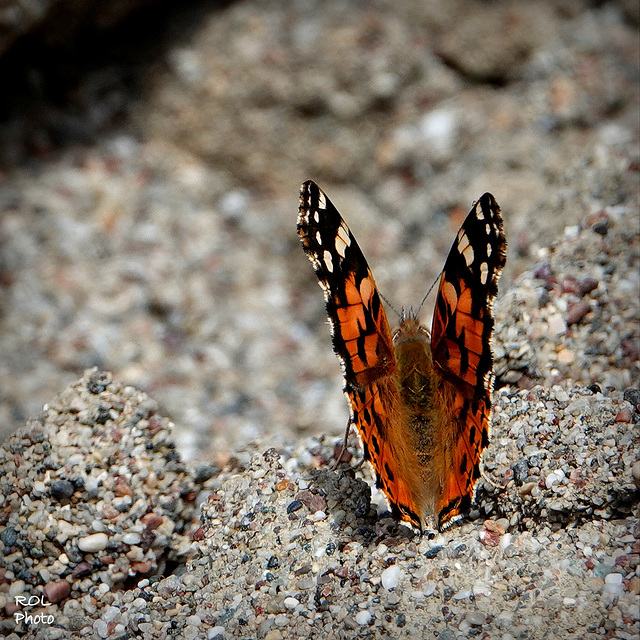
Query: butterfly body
pixel 419 400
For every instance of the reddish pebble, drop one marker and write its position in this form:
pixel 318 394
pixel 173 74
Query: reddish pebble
pixel 526 382
pixel 628 561
pixel 543 271
pixel 492 525
pixel 489 538
pixel 122 488
pixel 570 285
pixel 491 534
pixel 141 567
pixel 313 501
pixel 82 570
pixel 341 572
pixel 57 591
pixel 577 312
pixel 110 512
pixel 198 534
pixel 151 520
pixel 587 285
pixel 624 415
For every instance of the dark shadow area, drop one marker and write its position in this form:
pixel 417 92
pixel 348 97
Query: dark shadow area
pixel 67 92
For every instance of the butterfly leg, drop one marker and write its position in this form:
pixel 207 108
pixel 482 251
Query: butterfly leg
pixel 338 459
pixel 489 481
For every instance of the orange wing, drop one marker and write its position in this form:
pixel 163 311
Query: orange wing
pixel 461 348
pixel 363 342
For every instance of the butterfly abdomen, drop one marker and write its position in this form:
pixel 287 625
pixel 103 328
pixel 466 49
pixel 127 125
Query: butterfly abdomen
pixel 420 389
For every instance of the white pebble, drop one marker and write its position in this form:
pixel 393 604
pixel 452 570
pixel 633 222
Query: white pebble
pixel 553 477
pixel 390 577
pixel 281 620
pixel 291 602
pixel 101 628
pixel 556 323
pixel 39 486
pixel 363 617
pixel 216 632
pixel 93 543
pixel 481 588
pixel 505 542
pixel 131 538
pixel 110 613
pixel 613 584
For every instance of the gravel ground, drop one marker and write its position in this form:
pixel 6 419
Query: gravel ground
pixel 96 505
pixel 165 252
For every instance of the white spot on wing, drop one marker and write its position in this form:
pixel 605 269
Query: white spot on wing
pixel 318 238
pixel 316 217
pixel 322 201
pixel 484 272
pixel 479 212
pixel 489 249
pixel 463 241
pixel 328 261
pixel 468 254
pixel 342 240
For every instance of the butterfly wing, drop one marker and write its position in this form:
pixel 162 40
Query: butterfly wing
pixel 461 348
pixel 359 326
pixel 363 342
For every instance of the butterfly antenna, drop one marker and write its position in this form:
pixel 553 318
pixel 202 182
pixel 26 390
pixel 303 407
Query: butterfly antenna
pixel 426 295
pixel 391 306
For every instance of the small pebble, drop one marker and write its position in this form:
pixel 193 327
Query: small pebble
pixel 61 489
pixel 390 577
pixel 556 324
pixel 476 618
pixel 93 543
pixel 57 591
pixel 577 312
pixel 363 617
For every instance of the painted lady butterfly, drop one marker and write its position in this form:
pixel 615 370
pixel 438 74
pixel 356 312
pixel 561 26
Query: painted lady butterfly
pixel 420 401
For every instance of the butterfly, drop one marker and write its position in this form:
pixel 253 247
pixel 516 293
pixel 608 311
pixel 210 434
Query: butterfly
pixel 420 400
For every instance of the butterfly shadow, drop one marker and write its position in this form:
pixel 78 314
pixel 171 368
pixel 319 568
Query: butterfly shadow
pixel 352 516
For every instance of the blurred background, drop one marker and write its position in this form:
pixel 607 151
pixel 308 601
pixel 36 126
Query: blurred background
pixel 151 155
